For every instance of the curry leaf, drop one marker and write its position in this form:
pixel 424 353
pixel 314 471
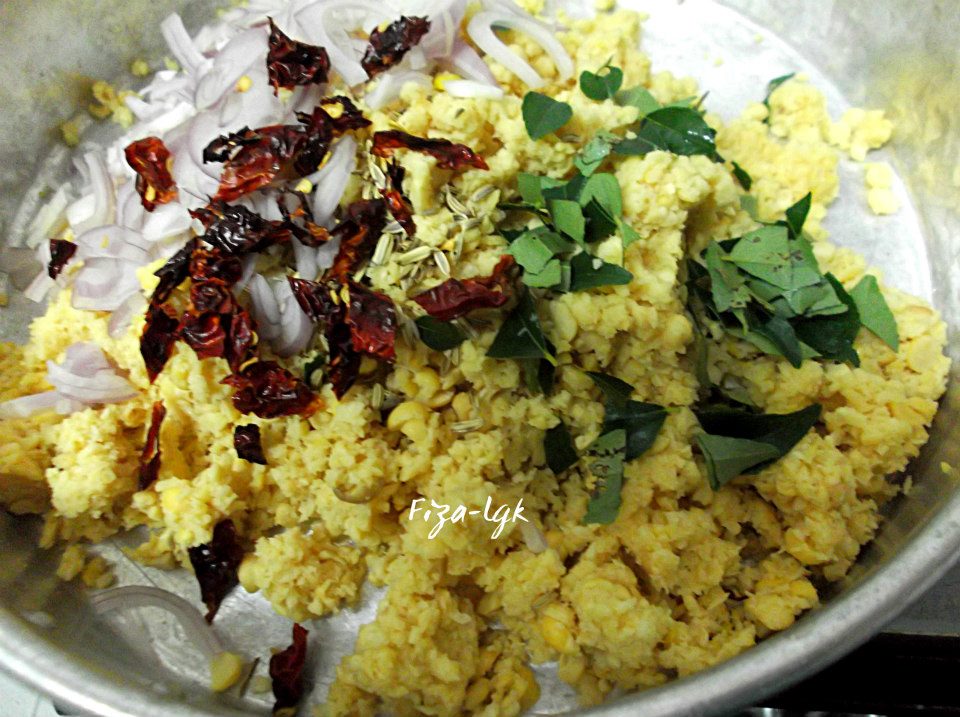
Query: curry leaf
pixel 520 336
pixel 567 217
pixel 439 335
pixel 588 272
pixel 543 115
pixel 726 458
pixel 874 312
pixel 605 189
pixel 559 448
pixel 771 86
pixel 746 181
pixel 638 97
pixel 680 130
pixel 833 336
pixel 641 421
pixel 531 187
pixel 594 152
pixel 607 466
pixel 615 391
pixel 797 215
pixel 550 275
pixel 735 442
pixel 601 85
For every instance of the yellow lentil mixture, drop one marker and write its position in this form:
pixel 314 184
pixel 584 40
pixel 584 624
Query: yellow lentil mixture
pixel 684 578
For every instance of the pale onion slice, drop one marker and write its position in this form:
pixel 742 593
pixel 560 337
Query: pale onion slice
pixel 138 596
pixel 473 89
pixel 114 242
pixel 81 210
pixel 296 328
pixel 465 61
pixel 327 253
pixel 101 187
pixel 480 29
pixel 166 221
pixel 305 258
pixel 389 85
pixel 203 129
pixel 103 387
pixel 331 179
pixel 257 107
pixel 249 266
pixel 533 537
pixel 229 65
pixel 130 211
pixel 38 289
pixel 84 358
pixel 121 319
pixel 103 284
pixel 27 406
pixel 181 45
pixel 322 27
pixel 264 306
pixel 50 219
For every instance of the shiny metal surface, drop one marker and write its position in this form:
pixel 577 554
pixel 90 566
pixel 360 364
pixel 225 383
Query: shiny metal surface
pixel 881 53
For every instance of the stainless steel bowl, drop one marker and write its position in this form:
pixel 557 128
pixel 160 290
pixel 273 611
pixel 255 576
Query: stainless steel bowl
pixel 881 53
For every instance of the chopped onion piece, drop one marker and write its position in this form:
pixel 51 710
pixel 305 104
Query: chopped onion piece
pixel 121 318
pixel 136 596
pixel 113 242
pixel 50 219
pixel 480 29
pixel 306 259
pixel 26 406
pixel 40 286
pixel 534 538
pixel 389 86
pixel 465 60
pixel 101 185
pixel 180 44
pixel 472 88
pixel 331 180
pixel 321 26
pixel 229 65
pixel 296 328
pixel 167 220
pixel 103 284
pixel 264 306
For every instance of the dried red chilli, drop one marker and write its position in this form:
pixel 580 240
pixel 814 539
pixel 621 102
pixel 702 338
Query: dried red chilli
pixel 388 46
pixel 267 390
pixel 216 326
pixel 150 456
pixel 246 442
pixel 372 319
pixel 214 265
pixel 397 202
pixel 160 332
pixel 347 118
pixel 61 251
pixel 299 221
pixel 173 273
pixel 215 565
pixel 317 300
pixel 253 159
pixel 150 159
pixel 358 232
pixel 291 63
pixel 322 304
pixel 448 154
pixel 286 672
pixel 457 297
pixel 235 230
pixel 343 361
